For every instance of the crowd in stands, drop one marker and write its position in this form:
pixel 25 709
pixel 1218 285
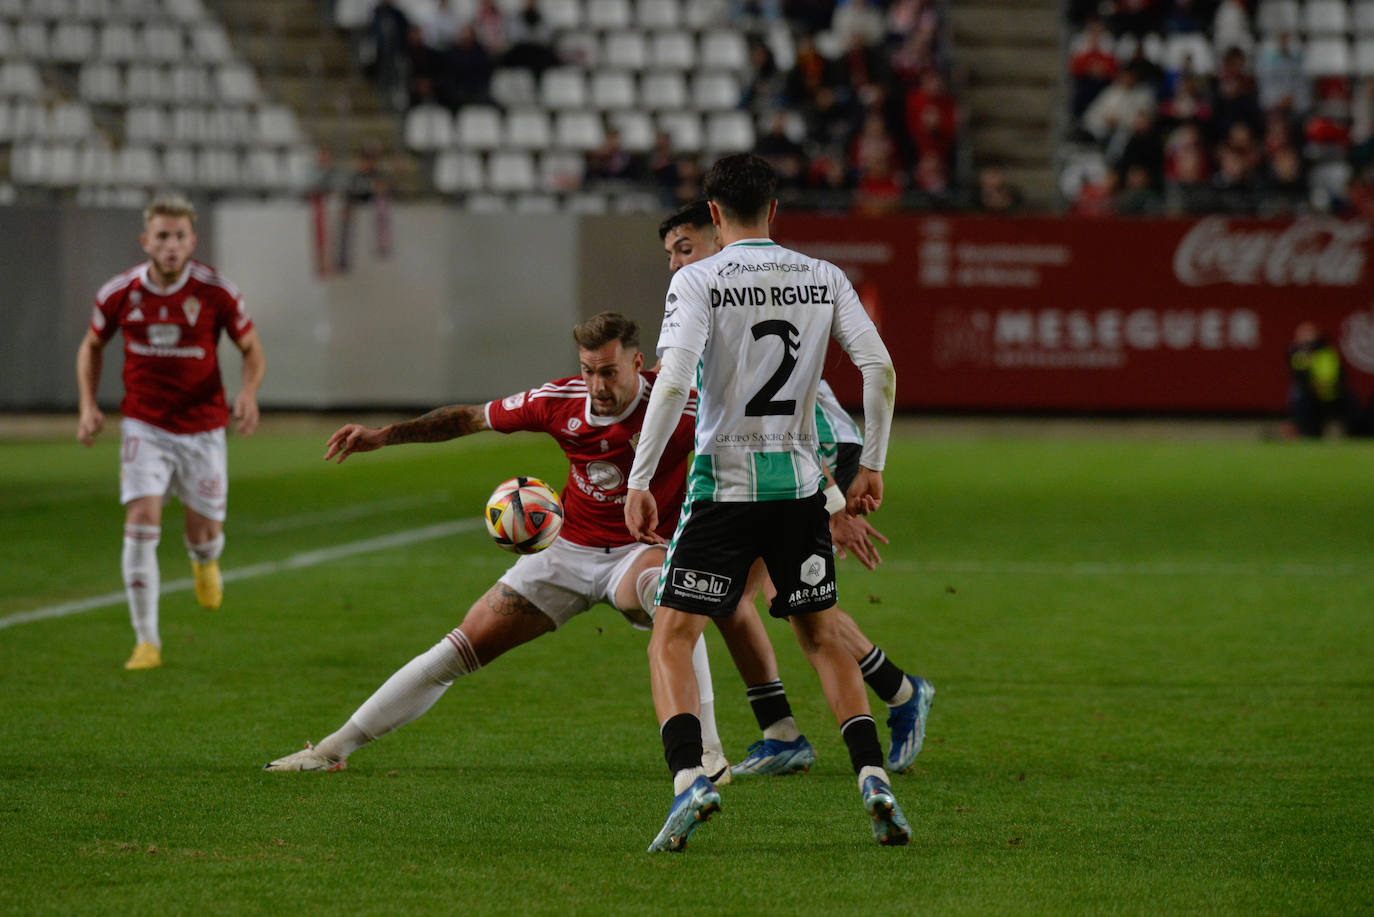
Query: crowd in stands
pixel 851 104
pixel 1254 107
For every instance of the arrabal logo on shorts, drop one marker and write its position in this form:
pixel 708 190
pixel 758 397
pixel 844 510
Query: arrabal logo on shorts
pixel 702 585
pixel 813 570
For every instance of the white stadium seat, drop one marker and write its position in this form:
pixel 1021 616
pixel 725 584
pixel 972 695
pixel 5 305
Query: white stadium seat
pixel 561 171
pixel 458 171
pixel 477 127
pixel 578 130
pixel 96 165
pixel 1181 48
pixel 210 44
pixel 136 165
pixel 1325 17
pixel 729 132
pixel 537 204
pixel 586 202
pixel 527 129
pixel 101 83
pixel 684 130
pixel 635 128
pixel 715 91
pixel 580 49
pixel 118 42
pixel 612 90
pixel 72 42
pixel 217 167
pixel 673 51
pixel 658 14
pixel 561 14
pixel 147 123
pixel 663 91
pixel 1278 16
pixel 428 127
pixel 1362 17
pixel 563 87
pixel 723 49
pixel 237 84
pixel 19 80
pixel 1364 56
pixel 275 125
pixel 163 41
pixel 513 86
pixel 606 15
pixel 1327 57
pixel 706 14
pixel 511 170
pixel 624 51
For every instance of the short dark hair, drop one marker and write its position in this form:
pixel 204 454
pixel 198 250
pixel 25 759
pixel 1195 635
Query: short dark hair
pixel 742 185
pixel 604 327
pixel 696 214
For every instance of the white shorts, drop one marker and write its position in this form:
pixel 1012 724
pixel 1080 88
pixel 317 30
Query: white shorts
pixel 566 579
pixel 190 466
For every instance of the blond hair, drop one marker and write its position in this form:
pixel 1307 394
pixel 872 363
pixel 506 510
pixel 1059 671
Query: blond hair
pixel 169 205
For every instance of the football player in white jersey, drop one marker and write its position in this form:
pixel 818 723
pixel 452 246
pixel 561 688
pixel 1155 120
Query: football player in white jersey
pixel 752 323
pixel 689 236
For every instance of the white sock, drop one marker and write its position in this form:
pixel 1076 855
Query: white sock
pixel 206 551
pixel 710 736
pixel 142 580
pixel 404 696
pixel 784 730
pixel 872 771
pixel 646 587
pixel 686 777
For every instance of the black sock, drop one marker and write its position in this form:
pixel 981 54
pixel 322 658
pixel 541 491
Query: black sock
pixel 769 701
pixel 682 742
pixel 882 676
pixel 861 737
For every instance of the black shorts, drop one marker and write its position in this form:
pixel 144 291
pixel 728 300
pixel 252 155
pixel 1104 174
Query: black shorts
pixel 846 465
pixel 709 559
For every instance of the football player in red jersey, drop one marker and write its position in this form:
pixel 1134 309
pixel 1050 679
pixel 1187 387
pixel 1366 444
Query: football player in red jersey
pixel 171 311
pixel 595 418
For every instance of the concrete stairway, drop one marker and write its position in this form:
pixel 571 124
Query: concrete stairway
pixel 1008 52
pixel 306 63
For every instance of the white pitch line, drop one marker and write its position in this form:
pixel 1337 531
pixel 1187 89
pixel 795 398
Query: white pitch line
pixel 294 562
pixel 339 514
pixel 1107 568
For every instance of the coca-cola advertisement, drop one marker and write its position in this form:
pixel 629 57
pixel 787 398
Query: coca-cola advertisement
pixel 1172 316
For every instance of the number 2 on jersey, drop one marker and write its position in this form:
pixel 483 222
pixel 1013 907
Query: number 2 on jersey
pixel 762 404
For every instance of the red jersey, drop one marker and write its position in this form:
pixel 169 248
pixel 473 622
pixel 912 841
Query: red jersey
pixel 171 367
pixel 600 451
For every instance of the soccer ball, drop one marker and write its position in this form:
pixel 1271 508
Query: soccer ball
pixel 524 515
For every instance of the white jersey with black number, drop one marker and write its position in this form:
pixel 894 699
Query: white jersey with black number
pixel 759 317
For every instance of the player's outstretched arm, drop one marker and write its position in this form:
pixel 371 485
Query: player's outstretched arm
pixel 90 357
pixel 254 368
pixel 439 425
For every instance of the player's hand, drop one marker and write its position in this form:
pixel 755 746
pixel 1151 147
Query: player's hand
pixel 353 438
pixel 89 425
pixel 855 535
pixel 641 517
pixel 246 413
pixel 865 493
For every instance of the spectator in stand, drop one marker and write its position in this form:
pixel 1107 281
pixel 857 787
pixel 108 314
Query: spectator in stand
pixel 662 168
pixel 932 116
pixel 765 87
pixel 809 16
pixel 1285 183
pixel 911 17
pixel 862 67
pixel 995 194
pixel 1278 132
pixel 755 13
pixel 1280 76
pixel 1134 17
pixel 1317 388
pixel 531 41
pixel 1116 106
pixel 858 19
pixel 611 162
pixel 912 57
pixel 931 180
pixel 489 25
pixel 810 73
pixel 1191 101
pixel 1092 64
pixel 1098 198
pixel 785 155
pixel 831 120
pixel 1143 149
pixel 1184 18
pixel 386 52
pixel 832 189
pixel 1231 27
pixel 1236 181
pixel 470 78
pixel 689 178
pixel 1362 125
pixel 1236 99
pixel 1187 181
pixel 1360 195
pixel 1138 196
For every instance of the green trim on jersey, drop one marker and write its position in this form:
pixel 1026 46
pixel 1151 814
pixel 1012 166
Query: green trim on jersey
pixel 701 478
pixel 750 244
pixel 826 446
pixel 776 476
pixel 667 558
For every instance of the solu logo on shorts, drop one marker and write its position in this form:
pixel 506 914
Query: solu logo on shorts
pixel 701 585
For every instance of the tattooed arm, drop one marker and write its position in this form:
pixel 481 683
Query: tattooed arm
pixel 438 425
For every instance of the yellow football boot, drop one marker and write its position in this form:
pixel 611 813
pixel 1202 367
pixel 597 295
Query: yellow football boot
pixel 146 656
pixel 209 583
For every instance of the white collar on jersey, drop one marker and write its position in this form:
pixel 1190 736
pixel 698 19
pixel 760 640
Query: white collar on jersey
pixel 145 275
pixel 751 242
pixel 600 420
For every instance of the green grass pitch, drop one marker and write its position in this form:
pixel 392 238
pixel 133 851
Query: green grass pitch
pixel 1155 663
